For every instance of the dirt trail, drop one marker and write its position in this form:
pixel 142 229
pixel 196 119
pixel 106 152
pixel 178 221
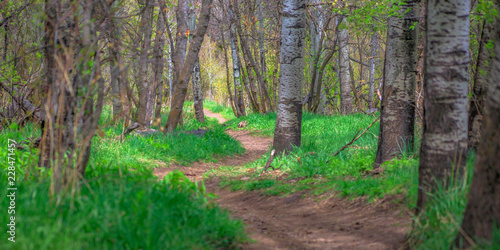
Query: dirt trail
pixel 294 222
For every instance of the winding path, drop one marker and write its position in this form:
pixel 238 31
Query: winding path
pixel 295 222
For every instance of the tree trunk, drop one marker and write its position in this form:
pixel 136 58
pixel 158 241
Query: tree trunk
pixel 238 89
pixel 114 64
pixel 397 118
pixel 262 52
pixel 444 140
pixel 145 109
pixel 251 62
pixel 72 107
pixel 196 77
pixel 344 76
pixel 483 208
pixel 158 63
pixel 481 80
pixel 373 61
pixel 289 115
pixel 184 73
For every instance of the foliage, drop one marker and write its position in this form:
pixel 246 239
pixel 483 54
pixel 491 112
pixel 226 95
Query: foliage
pixel 121 204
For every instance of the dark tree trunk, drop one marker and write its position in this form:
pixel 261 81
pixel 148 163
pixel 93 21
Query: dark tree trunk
pixel 72 107
pixel 183 74
pixel 397 119
pixel 158 63
pixel 481 81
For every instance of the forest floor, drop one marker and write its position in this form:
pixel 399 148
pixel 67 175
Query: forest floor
pixel 298 221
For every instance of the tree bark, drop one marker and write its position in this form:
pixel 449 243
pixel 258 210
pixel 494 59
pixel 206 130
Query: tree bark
pixel 344 76
pixel 397 119
pixel 238 89
pixel 444 140
pixel 145 109
pixel 483 207
pixel 373 61
pixel 72 107
pixel 158 63
pixel 184 73
pixel 289 115
pixel 481 81
pixel 251 62
pixel 196 77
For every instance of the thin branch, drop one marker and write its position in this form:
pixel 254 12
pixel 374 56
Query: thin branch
pixel 356 136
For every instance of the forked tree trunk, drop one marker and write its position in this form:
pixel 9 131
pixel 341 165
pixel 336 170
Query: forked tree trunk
pixel 344 76
pixel 183 74
pixel 483 208
pixel 397 119
pixel 444 140
pixel 289 115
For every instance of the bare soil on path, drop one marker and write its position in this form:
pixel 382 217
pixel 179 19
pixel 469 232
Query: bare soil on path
pixel 295 222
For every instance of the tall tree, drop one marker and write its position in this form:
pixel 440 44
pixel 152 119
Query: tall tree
pixel 481 80
pixel 397 117
pixel 73 91
pixel 238 89
pixel 146 103
pixel 158 83
pixel 289 115
pixel 444 140
pixel 182 73
pixel 196 78
pixel 344 65
pixel 483 208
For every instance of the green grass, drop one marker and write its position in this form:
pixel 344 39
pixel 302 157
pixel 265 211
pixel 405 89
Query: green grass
pixel 319 173
pixel 313 166
pixel 121 205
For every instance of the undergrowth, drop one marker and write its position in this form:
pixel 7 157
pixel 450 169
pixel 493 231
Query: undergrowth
pixel 121 204
pixel 314 169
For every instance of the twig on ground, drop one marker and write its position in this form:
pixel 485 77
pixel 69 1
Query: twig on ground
pixel 356 136
pixel 269 161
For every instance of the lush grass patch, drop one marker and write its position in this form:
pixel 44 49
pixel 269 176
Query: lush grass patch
pixel 313 166
pixel 121 205
pixel 126 211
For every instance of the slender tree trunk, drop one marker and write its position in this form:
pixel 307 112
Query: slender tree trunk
pixel 228 84
pixel 196 77
pixel 397 119
pixel 144 111
pixel 481 81
pixel 184 73
pixel 114 53
pixel 251 62
pixel 158 63
pixel 373 62
pixel 344 76
pixel 289 115
pixel 444 140
pixel 238 89
pixel 483 208
pixel 262 52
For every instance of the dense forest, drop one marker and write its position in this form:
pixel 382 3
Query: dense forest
pixel 250 124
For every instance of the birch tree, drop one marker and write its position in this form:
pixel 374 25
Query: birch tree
pixel 289 115
pixel 344 65
pixel 196 77
pixel 444 139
